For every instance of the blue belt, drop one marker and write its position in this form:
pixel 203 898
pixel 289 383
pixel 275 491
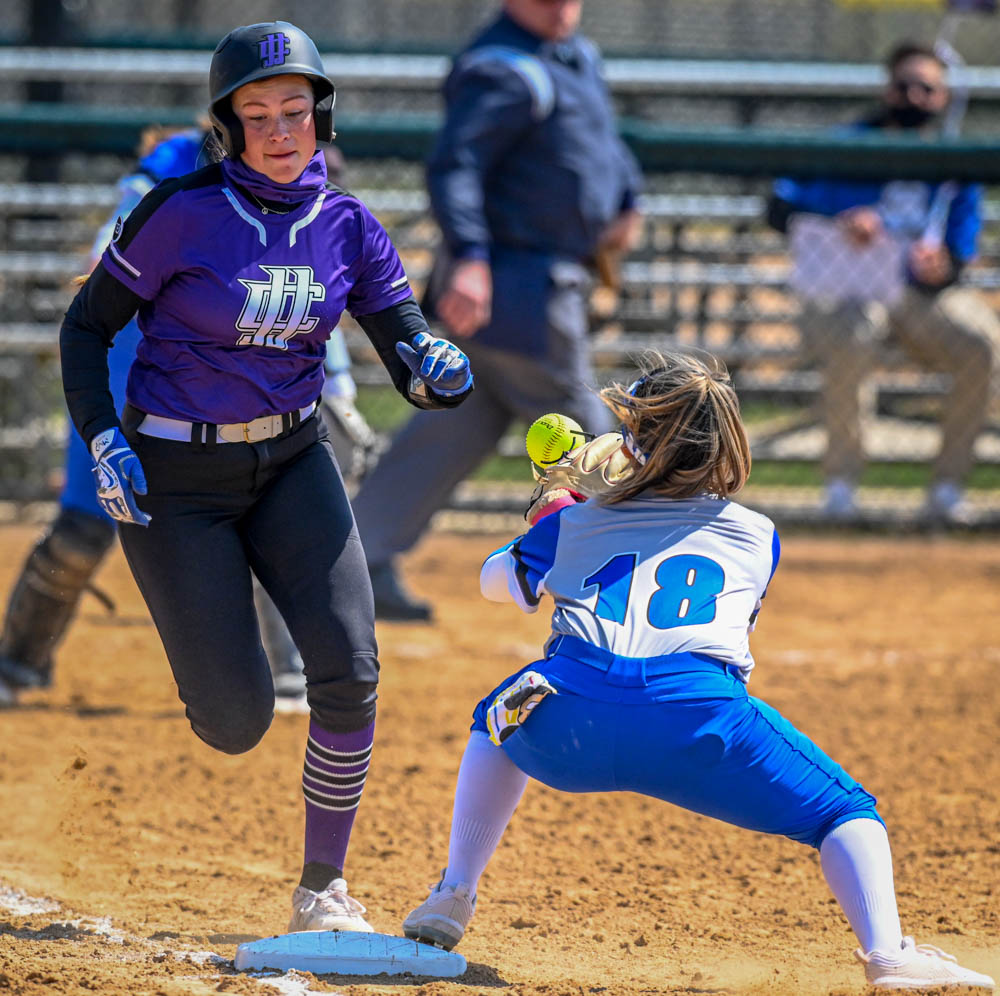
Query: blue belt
pixel 630 671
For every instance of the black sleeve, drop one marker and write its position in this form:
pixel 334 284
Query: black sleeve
pixel 102 306
pixel 400 323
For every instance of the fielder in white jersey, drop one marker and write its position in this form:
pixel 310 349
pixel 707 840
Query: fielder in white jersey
pixel 657 584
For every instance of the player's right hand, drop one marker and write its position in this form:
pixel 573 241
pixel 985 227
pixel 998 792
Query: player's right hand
pixel 466 305
pixel 119 477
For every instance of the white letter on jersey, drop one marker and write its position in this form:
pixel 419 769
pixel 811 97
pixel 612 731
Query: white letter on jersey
pixel 278 308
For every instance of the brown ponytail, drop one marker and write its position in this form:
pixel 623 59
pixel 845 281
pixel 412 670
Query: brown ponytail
pixel 684 416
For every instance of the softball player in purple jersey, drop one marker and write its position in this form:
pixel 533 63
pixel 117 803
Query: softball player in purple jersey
pixel 219 465
pixel 657 584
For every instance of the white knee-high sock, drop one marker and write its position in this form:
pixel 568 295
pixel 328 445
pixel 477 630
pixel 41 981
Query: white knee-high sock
pixel 857 865
pixel 489 788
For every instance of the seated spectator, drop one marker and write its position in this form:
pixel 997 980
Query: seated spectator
pixel 933 229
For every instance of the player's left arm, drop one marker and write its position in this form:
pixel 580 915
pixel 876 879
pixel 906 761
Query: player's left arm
pixel 430 372
pixel 517 572
pixel 445 383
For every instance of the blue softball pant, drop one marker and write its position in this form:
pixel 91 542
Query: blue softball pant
pixel 692 737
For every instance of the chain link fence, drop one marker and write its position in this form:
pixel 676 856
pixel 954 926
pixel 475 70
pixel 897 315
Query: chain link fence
pixel 847 373
pixel 844 372
pixel 819 30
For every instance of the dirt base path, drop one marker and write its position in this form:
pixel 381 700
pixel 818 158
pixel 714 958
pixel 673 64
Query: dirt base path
pixel 156 856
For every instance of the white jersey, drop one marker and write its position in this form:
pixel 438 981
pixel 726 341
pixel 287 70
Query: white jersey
pixel 646 577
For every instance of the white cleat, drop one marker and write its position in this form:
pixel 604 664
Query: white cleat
pixel 442 917
pixel 918 966
pixel 331 909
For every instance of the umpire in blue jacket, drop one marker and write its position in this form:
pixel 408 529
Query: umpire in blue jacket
pixel 529 183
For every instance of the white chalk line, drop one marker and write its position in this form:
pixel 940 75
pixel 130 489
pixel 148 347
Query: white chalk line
pixel 19 903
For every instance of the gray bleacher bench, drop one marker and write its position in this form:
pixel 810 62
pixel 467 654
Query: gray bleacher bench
pixel 698 77
pixel 639 313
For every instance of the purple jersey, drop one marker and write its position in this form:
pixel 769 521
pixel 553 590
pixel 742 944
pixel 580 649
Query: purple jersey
pixel 239 302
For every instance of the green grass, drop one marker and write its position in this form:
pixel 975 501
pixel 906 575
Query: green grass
pixel 802 473
pixel 385 410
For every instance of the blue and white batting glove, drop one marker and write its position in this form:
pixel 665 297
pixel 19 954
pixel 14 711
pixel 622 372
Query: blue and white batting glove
pixel 515 703
pixel 119 477
pixel 438 363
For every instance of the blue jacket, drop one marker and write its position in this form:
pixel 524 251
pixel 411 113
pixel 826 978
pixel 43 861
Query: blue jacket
pixel 529 157
pixel 174 156
pixel 904 204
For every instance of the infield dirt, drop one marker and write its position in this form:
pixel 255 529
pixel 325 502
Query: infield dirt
pixel 161 853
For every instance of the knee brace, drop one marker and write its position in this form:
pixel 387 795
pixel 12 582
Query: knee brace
pixel 47 592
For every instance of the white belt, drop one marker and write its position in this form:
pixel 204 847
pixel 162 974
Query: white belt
pixel 254 431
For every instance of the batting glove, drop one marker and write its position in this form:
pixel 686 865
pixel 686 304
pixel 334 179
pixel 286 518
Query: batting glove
pixel 514 705
pixel 438 363
pixel 119 477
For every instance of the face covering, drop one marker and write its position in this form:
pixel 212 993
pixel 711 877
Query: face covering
pixel 909 115
pixel 304 188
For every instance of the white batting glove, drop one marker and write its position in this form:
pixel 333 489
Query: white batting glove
pixel 438 363
pixel 119 477
pixel 515 703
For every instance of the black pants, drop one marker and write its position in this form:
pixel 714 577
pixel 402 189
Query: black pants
pixel 278 508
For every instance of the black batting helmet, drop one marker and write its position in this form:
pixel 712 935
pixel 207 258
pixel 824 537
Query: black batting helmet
pixel 255 52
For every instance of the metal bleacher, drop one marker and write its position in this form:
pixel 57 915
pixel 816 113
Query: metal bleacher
pixel 709 274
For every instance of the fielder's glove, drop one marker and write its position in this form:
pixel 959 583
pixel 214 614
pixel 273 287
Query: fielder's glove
pixel 588 470
pixel 515 703
pixel 437 364
pixel 119 477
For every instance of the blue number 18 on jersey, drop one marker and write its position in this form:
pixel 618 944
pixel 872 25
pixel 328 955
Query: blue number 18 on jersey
pixel 686 586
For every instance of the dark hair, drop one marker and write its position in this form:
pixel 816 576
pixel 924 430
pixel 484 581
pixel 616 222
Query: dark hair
pixel 909 49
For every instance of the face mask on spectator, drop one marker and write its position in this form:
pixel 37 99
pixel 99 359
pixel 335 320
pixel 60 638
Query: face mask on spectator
pixel 909 115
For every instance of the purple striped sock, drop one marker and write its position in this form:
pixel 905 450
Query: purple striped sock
pixel 333 778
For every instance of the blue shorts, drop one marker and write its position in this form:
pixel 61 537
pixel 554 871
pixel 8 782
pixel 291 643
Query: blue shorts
pixel 80 489
pixel 709 748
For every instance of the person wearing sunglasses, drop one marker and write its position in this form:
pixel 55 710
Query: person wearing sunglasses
pixel 939 323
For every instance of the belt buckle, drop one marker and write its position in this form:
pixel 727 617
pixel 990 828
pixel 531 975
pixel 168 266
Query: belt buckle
pixel 259 429
pixel 254 431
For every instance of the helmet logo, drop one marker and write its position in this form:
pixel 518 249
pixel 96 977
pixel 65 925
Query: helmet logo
pixel 274 49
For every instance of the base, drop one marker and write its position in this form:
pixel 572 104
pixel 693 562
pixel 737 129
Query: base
pixel 343 952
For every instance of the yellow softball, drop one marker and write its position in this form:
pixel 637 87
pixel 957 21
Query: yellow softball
pixel 551 437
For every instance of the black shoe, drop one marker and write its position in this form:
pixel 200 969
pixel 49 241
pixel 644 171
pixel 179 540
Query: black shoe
pixel 392 601
pixel 17 674
pixel 8 697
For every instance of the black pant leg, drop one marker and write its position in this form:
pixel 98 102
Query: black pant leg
pixel 192 569
pixel 303 545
